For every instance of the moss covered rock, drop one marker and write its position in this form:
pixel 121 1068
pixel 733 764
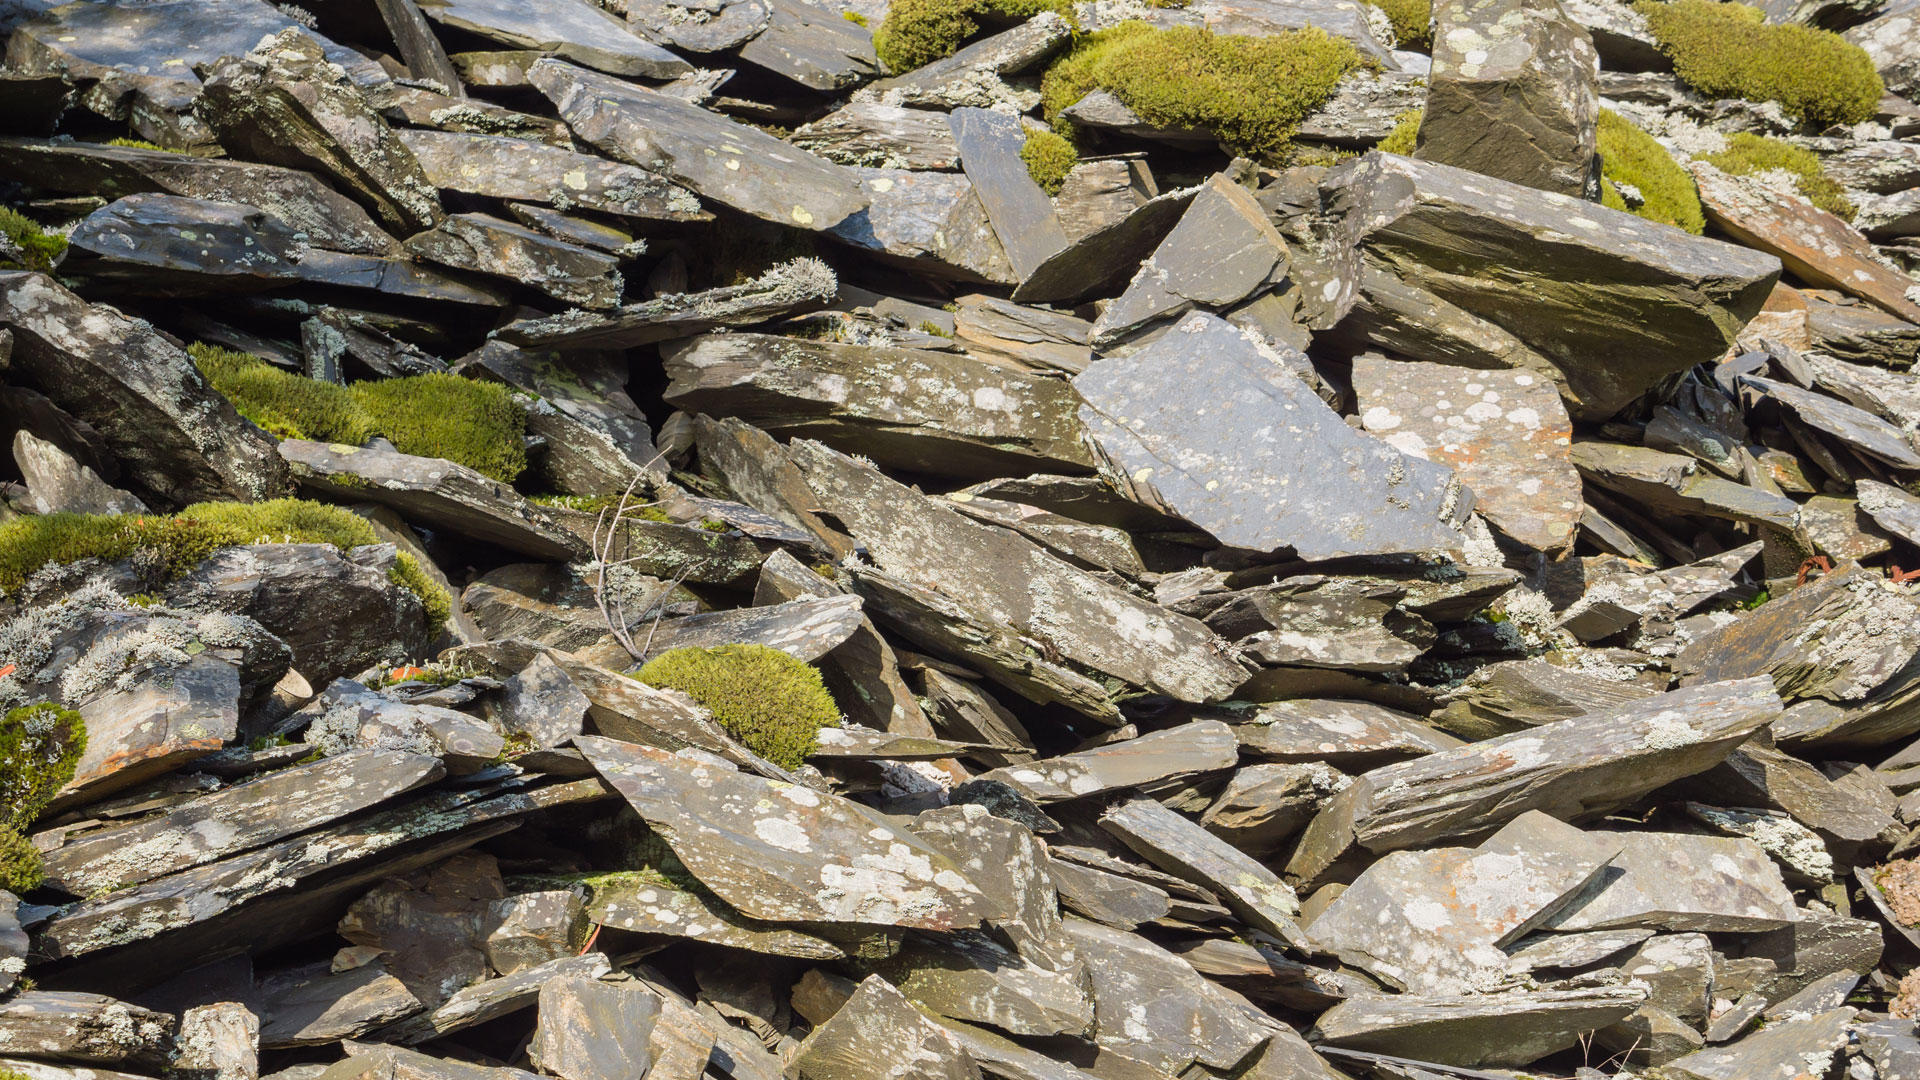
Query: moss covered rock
pixel 1729 50
pixel 1631 156
pixel 1747 154
pixel 471 423
pixel 918 32
pixel 773 703
pixel 40 746
pixel 1412 21
pixel 1251 92
pixel 20 867
pixel 171 546
pixel 1406 131
pixel 39 249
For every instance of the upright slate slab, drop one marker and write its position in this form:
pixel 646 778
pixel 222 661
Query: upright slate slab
pixel 1021 213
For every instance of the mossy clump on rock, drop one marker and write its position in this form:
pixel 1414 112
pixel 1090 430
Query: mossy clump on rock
pixel 39 249
pixel 1631 156
pixel 1406 131
pixel 471 423
pixel 1049 159
pixel 1729 50
pixel 773 703
pixel 1251 92
pixel 171 546
pixel 1412 22
pixel 40 747
pixel 915 33
pixel 142 144
pixel 1747 154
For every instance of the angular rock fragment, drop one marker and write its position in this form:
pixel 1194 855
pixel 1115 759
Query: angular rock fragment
pixel 179 440
pixel 1208 453
pixel 1574 273
pixel 313 1004
pixel 573 29
pixel 508 168
pixel 1475 1030
pixel 881 136
pixel 433 492
pixel 1104 257
pixel 791 288
pixel 90 1028
pixel 729 163
pixel 1680 882
pixel 593 1030
pixel 808 856
pixel 813 45
pixel 280 105
pixel 1021 214
pixel 1346 734
pixel 488 245
pixel 1151 1005
pixel 1572 769
pixel 879 1033
pixel 1513 94
pixel 276 805
pixel 1675 484
pixel 1506 433
pixel 1186 850
pixel 57 483
pixel 1198 747
pixel 1785 1051
pixel 922 411
pixel 1853 426
pixel 646 906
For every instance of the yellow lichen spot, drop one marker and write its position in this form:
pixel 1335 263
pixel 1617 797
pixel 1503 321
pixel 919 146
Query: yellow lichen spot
pixel 575 179
pixel 801 215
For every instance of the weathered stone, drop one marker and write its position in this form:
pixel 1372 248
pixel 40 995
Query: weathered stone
pixel 1573 769
pixel 488 245
pixel 58 484
pixel 1459 907
pixel 862 869
pixel 879 1034
pixel 491 999
pixel 540 708
pixel 1364 108
pixel 276 805
pixel 1893 42
pixel 281 105
pixel 1186 850
pixel 791 288
pixel 1815 245
pixel 1110 899
pixel 593 1030
pixel 881 136
pixel 218 1042
pixel 1020 213
pixel 1345 734
pixel 1208 455
pixel 1513 94
pixel 1012 581
pixel 1573 273
pixel 930 412
pixel 812 45
pixel 1856 427
pixel 433 492
pixel 730 163
pixel 295 198
pixel 970 78
pixel 1198 747
pixel 930 223
pixel 1674 484
pixel 1778 1052
pixel 1093 263
pixel 727 24
pixel 92 1028
pixel 529 929
pixel 805 629
pixel 1679 881
pixel 573 29
pixel 1505 433
pixel 507 168
pixel 428 927
pixel 1150 1004
pixel 1475 1030
pixel 971 977
pixel 312 1005
pixel 654 907
pixel 178 439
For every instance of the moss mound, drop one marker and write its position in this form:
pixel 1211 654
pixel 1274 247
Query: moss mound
pixel 471 423
pixel 773 703
pixel 174 545
pixel 1727 50
pixel 40 746
pixel 1049 159
pixel 141 144
pixel 915 33
pixel 42 249
pixel 1747 154
pixel 1412 21
pixel 1406 131
pixel 1631 156
pixel 1252 92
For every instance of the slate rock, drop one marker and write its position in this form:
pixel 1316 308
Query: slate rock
pixel 594 1030
pixel 1692 293
pixel 487 245
pixel 1505 433
pixel 280 104
pixel 573 29
pixel 1475 1030
pixel 719 159
pixel 864 870
pixel 1889 40
pixel 922 411
pixel 1207 453
pixel 793 287
pixel 930 223
pixel 1197 747
pixel 1185 850
pixel 1777 1052
pixel 87 1028
pixel 433 492
pixel 1683 882
pixel 526 930
pixel 507 168
pixel 881 136
pixel 1513 94
pixel 347 716
pixel 57 483
pixel 653 907
pixel 1572 769
pixel 813 45
pixel 876 1034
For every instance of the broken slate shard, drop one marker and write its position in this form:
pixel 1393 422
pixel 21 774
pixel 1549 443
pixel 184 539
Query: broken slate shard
pixel 1207 424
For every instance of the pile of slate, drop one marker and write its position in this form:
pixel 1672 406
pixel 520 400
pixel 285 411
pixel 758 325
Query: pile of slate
pixel 1398 620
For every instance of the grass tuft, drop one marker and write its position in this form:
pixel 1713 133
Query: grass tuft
pixel 773 703
pixel 1251 92
pixel 1728 50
